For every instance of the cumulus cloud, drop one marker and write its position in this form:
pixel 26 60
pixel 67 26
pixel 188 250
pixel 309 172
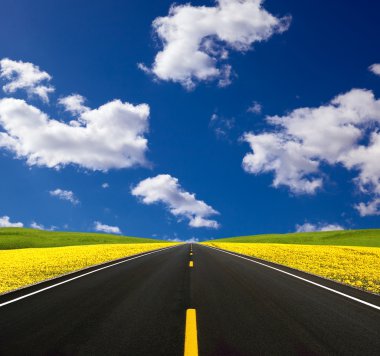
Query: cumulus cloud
pixel 255 108
pixel 343 132
pixel 106 228
pixel 26 76
pixel 5 222
pixel 165 189
pixel 375 68
pixel 111 136
pixel 74 104
pixel 65 195
pixel 307 227
pixel 370 208
pixel 105 185
pixel 197 39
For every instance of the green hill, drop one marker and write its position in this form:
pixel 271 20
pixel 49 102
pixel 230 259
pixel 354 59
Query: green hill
pixel 14 238
pixel 369 238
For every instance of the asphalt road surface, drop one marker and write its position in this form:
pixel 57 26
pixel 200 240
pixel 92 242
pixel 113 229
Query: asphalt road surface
pixel 139 308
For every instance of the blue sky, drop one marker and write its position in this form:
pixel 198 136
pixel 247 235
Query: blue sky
pixel 315 169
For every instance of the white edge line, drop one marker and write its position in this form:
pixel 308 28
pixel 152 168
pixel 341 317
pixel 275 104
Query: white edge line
pixel 82 275
pixel 298 277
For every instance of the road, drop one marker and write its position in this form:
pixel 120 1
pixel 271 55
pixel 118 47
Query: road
pixel 139 308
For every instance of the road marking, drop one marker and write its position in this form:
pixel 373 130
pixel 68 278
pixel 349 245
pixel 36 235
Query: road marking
pixel 82 275
pixel 191 253
pixel 191 338
pixel 191 264
pixel 301 278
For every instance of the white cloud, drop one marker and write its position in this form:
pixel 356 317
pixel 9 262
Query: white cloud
pixel 375 68
pixel 106 228
pixel 105 185
pixel 27 76
pixel 273 152
pixel 199 221
pixel 370 208
pixel 331 227
pixel 255 108
pixel 111 136
pixel 190 240
pixel 143 68
pixel 307 227
pixel 65 195
pixel 344 132
pixel 197 39
pixel 166 189
pixel 214 117
pixel 5 222
pixel 74 104
pixel 37 226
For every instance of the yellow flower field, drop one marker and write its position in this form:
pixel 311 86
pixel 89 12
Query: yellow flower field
pixel 21 267
pixel 356 266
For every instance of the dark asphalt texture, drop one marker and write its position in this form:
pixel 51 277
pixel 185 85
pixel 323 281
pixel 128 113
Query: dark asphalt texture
pixel 138 308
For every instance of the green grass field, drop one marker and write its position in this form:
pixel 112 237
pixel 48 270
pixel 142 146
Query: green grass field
pixel 366 238
pixel 15 238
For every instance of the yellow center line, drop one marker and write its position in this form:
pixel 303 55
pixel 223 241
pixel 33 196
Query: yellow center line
pixel 191 338
pixel 191 264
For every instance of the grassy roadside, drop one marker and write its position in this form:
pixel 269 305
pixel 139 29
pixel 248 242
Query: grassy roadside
pixel 16 238
pixel 365 238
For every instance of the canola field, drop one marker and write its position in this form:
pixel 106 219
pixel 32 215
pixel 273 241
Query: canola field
pixel 356 266
pixel 21 267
